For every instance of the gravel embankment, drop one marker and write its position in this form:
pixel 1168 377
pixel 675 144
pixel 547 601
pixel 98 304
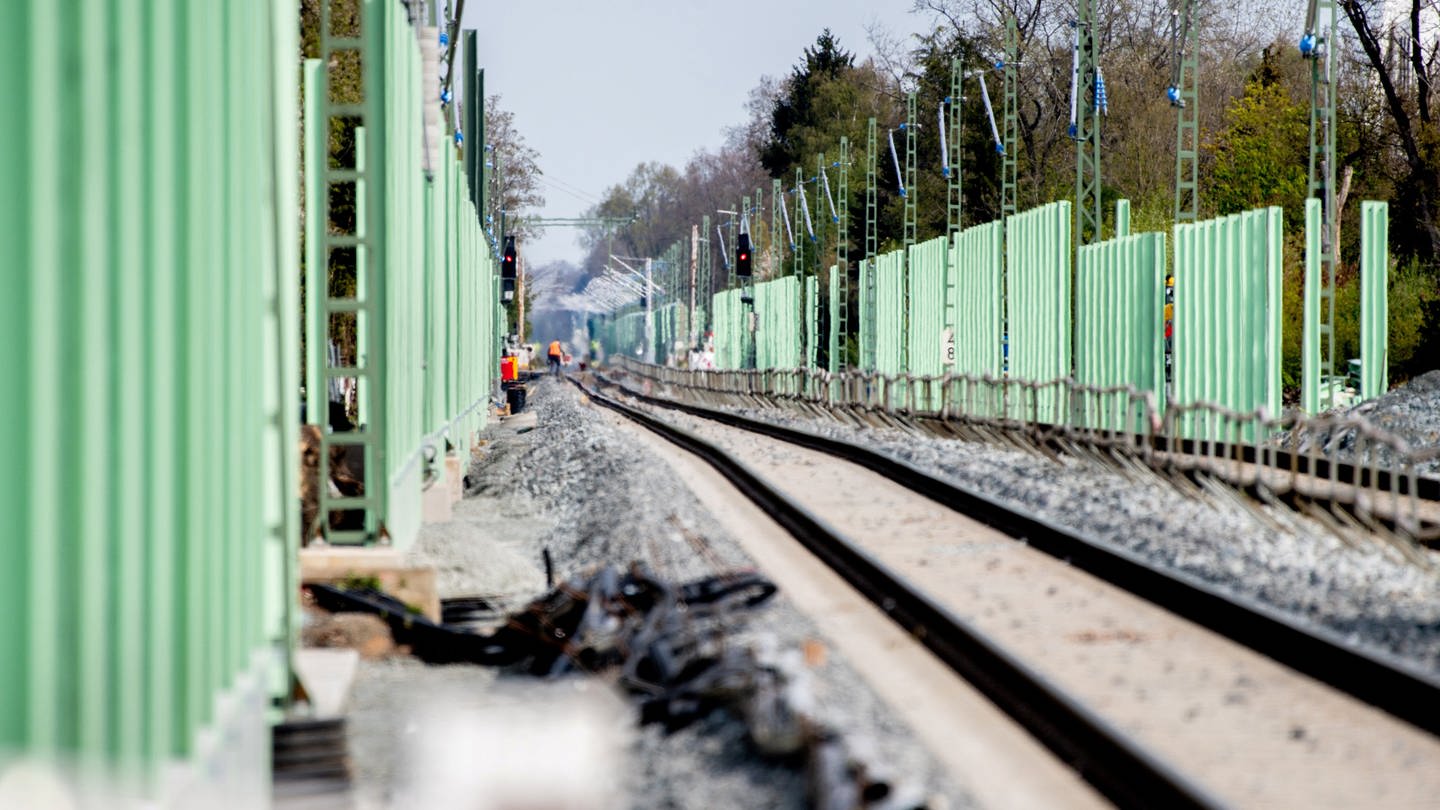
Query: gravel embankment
pixel 1410 412
pixel 580 487
pixel 1287 561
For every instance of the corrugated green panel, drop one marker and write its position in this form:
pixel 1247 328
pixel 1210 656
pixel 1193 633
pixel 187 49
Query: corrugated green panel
pixel 890 312
pixel 18 49
pixel 927 306
pixel 836 340
pixel 1310 306
pixel 1374 306
pixel 727 328
pixel 977 264
pixel 1038 303
pixel 1119 328
pixel 867 302
pixel 812 327
pixel 1227 312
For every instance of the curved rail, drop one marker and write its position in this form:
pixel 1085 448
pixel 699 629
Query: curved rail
pixel 1393 685
pixel 1120 769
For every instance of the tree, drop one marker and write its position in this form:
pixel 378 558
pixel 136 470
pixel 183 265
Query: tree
pixel 1260 156
pixel 795 108
pixel 1403 54
pixel 515 186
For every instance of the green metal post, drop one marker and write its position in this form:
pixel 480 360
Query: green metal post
pixel 1374 304
pixel 797 267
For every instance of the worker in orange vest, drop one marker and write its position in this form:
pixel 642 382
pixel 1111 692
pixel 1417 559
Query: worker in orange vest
pixel 557 355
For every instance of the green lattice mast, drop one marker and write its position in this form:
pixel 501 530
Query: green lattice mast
pixel 842 253
pixel 1320 19
pixel 1010 120
pixel 1184 97
pixel 1085 103
pixel 867 316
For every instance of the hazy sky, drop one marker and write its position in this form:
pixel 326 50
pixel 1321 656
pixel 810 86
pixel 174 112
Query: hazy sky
pixel 598 87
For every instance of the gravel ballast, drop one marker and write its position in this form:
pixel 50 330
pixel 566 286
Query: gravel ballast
pixel 579 486
pixel 1285 560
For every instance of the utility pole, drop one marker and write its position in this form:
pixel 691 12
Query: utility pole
pixel 951 147
pixel 1085 105
pixel 867 315
pixel 842 256
pixel 1010 120
pixel 706 282
pixel 693 327
pixel 1316 45
pixel 650 313
pixel 776 247
pixel 909 191
pixel 1183 94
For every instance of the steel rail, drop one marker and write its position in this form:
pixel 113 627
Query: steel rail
pixel 1391 684
pixel 1120 769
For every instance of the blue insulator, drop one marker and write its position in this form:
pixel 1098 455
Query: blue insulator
pixel 901 127
pixel 835 220
pixel 444 38
pixel 1000 148
pixel 1307 45
pixel 445 96
pixel 944 171
pixel 1173 93
pixel 902 193
pixel 1000 64
pixel 1072 132
pixel 459 137
pixel 947 99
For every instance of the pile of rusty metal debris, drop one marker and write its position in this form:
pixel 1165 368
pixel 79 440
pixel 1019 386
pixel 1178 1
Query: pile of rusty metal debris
pixel 667 645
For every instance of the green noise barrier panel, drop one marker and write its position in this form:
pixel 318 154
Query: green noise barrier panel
pixel 1037 304
pixel 927 306
pixel 976 262
pixel 1227 313
pixel 812 327
pixel 1374 306
pixel 149 263
pixel 890 312
pixel 1119 326
pixel 836 339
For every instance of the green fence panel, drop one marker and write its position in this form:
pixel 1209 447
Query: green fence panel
pixel 1374 306
pixel 867 300
pixel 149 335
pixel 890 313
pixel 976 261
pixel 728 336
pixel 426 314
pixel 1037 303
pixel 926 321
pixel 1310 310
pixel 812 325
pixel 1119 326
pixel 836 344
pixel 1227 312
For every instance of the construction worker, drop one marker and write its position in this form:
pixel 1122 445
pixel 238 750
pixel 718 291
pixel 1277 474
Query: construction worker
pixel 557 357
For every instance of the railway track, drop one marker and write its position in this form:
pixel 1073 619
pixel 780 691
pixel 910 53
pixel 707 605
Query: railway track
pixel 1123 770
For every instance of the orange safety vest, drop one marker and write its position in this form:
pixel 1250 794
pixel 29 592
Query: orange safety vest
pixel 555 350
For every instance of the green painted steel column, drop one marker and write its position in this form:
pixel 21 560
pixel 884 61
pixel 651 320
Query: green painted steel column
pixel 1374 304
pixel 1310 307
